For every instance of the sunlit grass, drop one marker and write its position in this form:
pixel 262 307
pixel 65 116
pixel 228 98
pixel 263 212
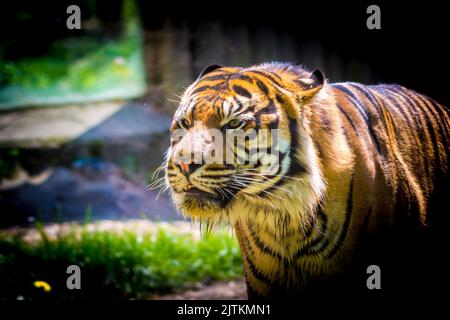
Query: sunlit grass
pixel 114 264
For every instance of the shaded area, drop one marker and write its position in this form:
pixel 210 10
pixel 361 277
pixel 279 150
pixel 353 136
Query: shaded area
pixel 92 188
pixel 104 172
pixel 333 37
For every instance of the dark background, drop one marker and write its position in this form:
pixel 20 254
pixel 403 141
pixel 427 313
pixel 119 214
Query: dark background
pixel 410 49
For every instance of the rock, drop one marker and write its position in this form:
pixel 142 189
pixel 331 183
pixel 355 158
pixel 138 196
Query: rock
pixel 93 187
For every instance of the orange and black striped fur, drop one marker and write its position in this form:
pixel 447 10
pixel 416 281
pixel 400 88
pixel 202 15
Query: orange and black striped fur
pixel 361 180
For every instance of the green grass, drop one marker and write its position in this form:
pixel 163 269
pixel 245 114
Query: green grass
pixel 114 265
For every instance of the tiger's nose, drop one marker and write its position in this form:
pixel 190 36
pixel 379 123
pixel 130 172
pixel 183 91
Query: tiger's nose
pixel 188 168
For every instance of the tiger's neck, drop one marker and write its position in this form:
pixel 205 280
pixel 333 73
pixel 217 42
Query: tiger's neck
pixel 281 253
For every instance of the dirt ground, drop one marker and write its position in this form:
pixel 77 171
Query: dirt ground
pixel 138 226
pixel 224 290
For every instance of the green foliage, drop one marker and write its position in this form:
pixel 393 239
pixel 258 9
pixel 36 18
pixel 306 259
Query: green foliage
pixel 82 64
pixel 114 265
pixel 78 69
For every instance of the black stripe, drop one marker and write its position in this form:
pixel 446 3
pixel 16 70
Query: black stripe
pixel 434 140
pixel 225 167
pixel 411 107
pixel 221 110
pixel 435 107
pixel 243 77
pixel 213 176
pixel 358 105
pixel 258 274
pixel 263 247
pixel 440 109
pixel 414 110
pixel 280 99
pixel 276 235
pixel 346 223
pixel 251 292
pixel 262 87
pixel 240 107
pixel 354 100
pixel 310 249
pixel 274 124
pixel 308 232
pixel 366 91
pixel 234 189
pixel 269 108
pixel 241 91
pixel 205 87
pixel 414 128
pixel 350 120
pixel 369 95
pixel 295 166
pixel 239 103
pixel 430 109
pixel 224 77
pixel 269 76
pixel 387 95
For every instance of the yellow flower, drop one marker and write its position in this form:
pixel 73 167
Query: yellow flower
pixel 42 284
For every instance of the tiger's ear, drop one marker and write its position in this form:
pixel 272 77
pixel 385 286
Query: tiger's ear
pixel 209 69
pixel 313 83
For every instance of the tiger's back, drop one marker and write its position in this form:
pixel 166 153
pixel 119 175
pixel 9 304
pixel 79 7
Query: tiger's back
pixel 405 135
pixel 399 139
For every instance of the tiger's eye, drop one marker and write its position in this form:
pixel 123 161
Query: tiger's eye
pixel 184 123
pixel 235 123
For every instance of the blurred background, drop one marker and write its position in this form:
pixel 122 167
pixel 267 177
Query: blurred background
pixel 84 118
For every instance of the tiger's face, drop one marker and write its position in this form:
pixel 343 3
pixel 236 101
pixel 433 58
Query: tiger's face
pixel 232 139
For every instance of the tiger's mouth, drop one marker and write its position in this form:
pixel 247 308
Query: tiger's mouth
pixel 199 194
pixel 196 198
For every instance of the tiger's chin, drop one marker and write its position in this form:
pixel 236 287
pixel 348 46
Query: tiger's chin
pixel 201 208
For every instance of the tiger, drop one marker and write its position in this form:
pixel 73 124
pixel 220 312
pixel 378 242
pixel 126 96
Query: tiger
pixel 360 180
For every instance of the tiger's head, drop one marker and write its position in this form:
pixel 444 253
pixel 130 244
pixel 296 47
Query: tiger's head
pixel 238 137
